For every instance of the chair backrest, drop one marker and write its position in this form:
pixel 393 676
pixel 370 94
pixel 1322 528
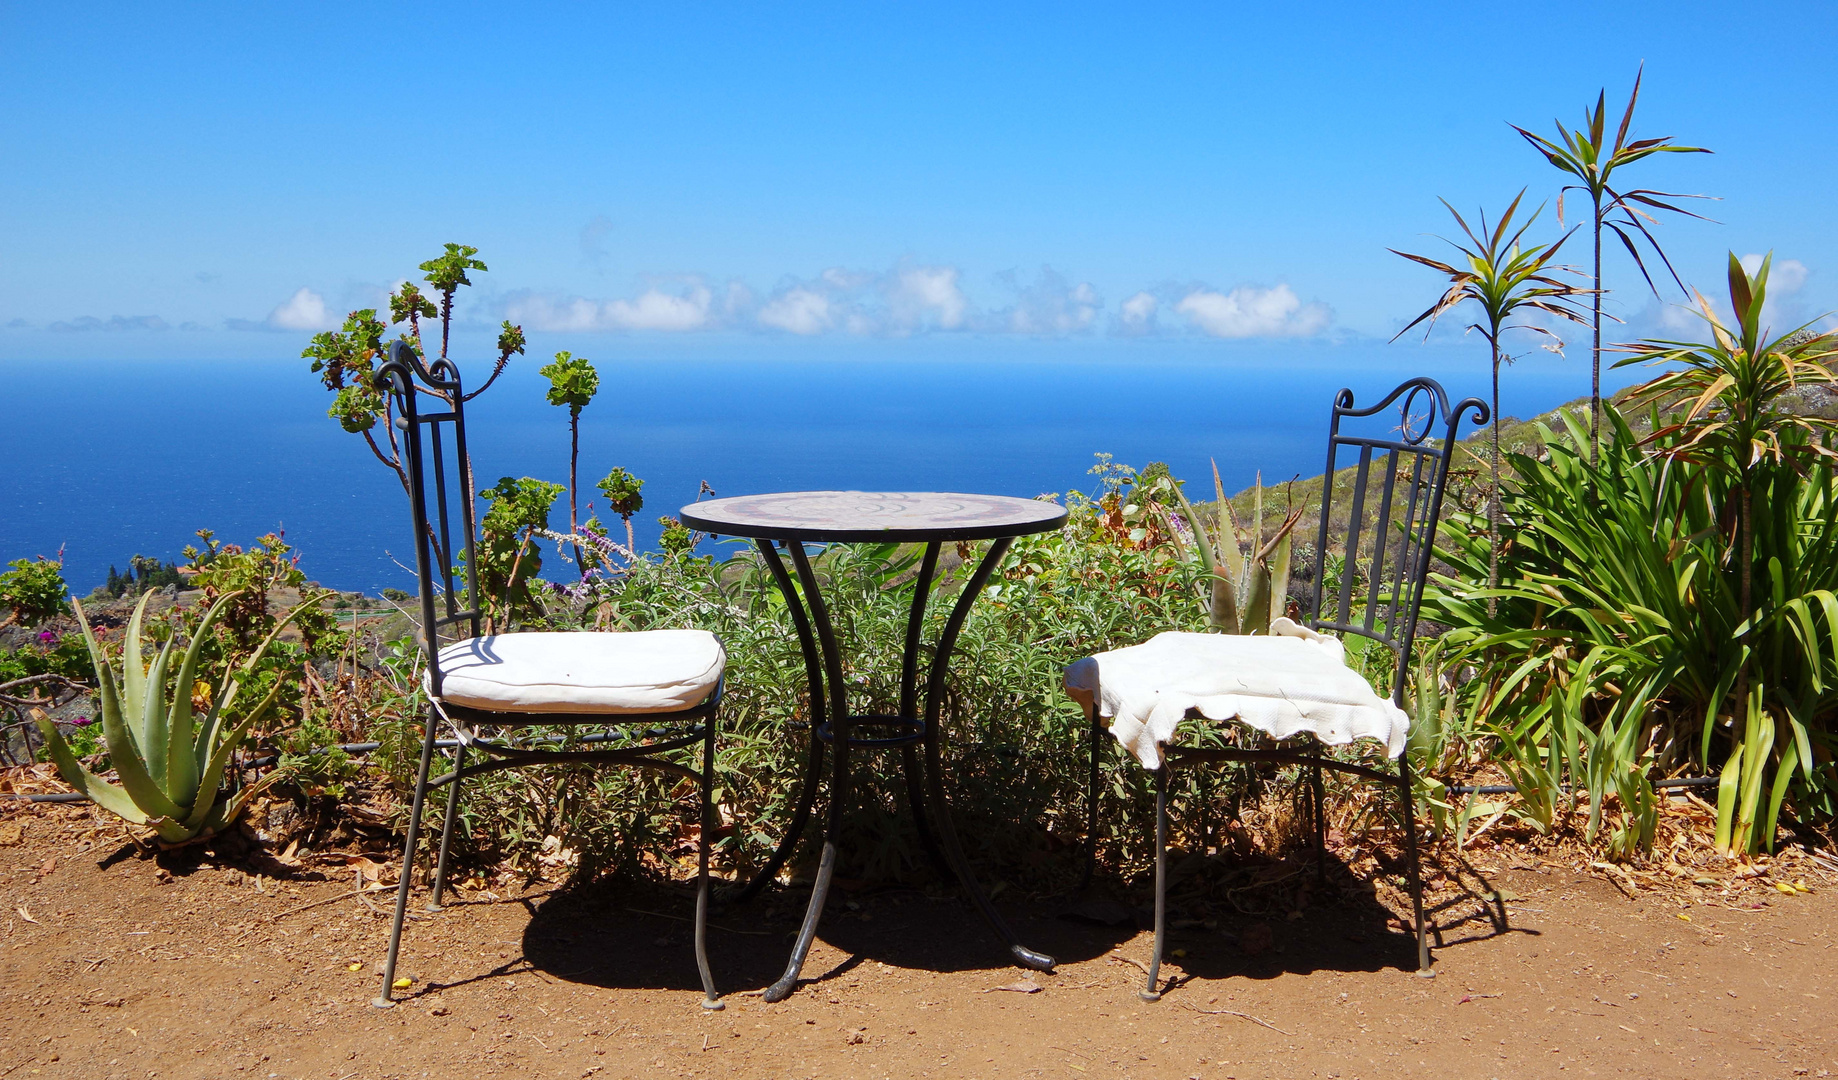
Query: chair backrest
pixel 1391 505
pixel 440 491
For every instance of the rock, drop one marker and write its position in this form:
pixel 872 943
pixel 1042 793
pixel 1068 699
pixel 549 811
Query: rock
pixel 1256 939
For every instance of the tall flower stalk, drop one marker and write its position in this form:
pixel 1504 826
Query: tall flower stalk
pixel 1585 154
pixel 1505 278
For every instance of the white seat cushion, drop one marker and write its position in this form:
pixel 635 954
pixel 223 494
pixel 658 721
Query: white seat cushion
pixel 648 671
pixel 1292 681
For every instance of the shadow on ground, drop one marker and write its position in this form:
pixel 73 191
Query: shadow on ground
pixel 620 934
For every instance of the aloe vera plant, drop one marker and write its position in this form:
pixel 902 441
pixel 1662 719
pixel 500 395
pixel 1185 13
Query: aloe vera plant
pixel 169 761
pixel 1245 593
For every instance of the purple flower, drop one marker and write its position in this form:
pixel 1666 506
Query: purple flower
pixel 81 721
pixel 47 637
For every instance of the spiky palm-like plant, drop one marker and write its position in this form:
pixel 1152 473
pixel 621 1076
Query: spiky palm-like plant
pixel 1586 155
pixel 1505 278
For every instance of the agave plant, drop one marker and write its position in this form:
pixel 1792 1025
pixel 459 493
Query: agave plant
pixel 1246 592
pixel 169 761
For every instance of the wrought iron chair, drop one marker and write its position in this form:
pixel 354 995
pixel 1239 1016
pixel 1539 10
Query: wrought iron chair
pixel 650 692
pixel 1397 488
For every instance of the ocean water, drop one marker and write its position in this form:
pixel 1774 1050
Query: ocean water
pixel 109 459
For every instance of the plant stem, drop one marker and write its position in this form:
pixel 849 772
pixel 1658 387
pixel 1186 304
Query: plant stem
pixel 574 457
pixel 1493 497
pixel 1595 352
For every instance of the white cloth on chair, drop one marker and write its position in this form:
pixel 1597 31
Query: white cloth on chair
pixel 648 671
pixel 1292 681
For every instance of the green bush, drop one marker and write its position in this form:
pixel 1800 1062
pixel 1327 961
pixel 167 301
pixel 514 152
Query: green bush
pixel 33 590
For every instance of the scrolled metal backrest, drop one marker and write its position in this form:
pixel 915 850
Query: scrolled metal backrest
pixel 1399 474
pixel 409 383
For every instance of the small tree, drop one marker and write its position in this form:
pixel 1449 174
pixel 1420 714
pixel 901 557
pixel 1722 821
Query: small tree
pixel 622 491
pixel 572 382
pixel 1505 279
pixel 33 590
pixel 1586 155
pixel 346 359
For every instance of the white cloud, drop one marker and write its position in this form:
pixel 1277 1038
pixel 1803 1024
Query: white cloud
pixel 304 310
pixel 1248 311
pixel 658 310
pixel 689 308
pixel 798 310
pixel 1050 306
pixel 1785 276
pixel 1136 316
pixel 925 296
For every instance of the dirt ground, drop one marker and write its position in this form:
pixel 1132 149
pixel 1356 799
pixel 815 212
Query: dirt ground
pixel 120 964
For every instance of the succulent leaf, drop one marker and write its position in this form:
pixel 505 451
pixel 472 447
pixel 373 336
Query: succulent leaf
pixel 153 724
pixel 183 762
pixel 134 673
pixel 129 765
pixel 101 792
pixel 219 759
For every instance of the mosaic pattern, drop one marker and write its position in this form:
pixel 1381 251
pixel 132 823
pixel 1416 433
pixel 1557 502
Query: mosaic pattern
pixel 889 515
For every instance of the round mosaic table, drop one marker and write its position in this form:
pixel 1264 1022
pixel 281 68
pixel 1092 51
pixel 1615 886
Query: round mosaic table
pixel 787 521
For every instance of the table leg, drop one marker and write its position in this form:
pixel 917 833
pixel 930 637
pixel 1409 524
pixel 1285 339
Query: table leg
pixel 909 706
pixel 813 769
pixel 940 809
pixel 840 730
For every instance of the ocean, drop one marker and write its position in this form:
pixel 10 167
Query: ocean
pixel 108 459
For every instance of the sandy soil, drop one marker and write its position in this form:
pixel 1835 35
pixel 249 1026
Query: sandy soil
pixel 116 963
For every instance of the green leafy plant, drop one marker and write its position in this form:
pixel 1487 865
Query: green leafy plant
pixel 169 761
pixel 516 516
pixel 624 497
pixel 1586 154
pixel 1616 638
pixel 572 382
pixel 346 359
pixel 33 590
pixel 1725 390
pixel 676 539
pixel 1505 279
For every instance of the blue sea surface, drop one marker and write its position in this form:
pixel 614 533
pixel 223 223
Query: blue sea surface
pixel 109 459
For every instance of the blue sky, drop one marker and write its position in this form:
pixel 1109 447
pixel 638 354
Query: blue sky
pixel 738 181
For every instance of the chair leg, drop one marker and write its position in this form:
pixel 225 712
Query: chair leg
pixel 710 1000
pixel 383 1000
pixel 446 830
pixel 1091 801
pixel 1411 867
pixel 1320 801
pixel 1150 993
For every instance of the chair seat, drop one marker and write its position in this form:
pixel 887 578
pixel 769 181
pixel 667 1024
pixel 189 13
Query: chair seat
pixel 1292 681
pixel 649 671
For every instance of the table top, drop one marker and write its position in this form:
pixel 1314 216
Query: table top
pixel 870 516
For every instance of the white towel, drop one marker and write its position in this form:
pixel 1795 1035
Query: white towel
pixel 1294 680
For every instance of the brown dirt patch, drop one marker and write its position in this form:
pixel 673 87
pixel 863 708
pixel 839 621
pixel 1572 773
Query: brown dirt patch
pixel 116 964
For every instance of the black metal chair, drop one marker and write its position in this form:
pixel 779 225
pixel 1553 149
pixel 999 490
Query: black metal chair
pixel 650 692
pixel 1390 525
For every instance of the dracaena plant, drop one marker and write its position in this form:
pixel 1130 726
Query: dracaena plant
pixel 1244 592
pixel 1721 398
pixel 1586 154
pixel 1507 279
pixel 169 760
